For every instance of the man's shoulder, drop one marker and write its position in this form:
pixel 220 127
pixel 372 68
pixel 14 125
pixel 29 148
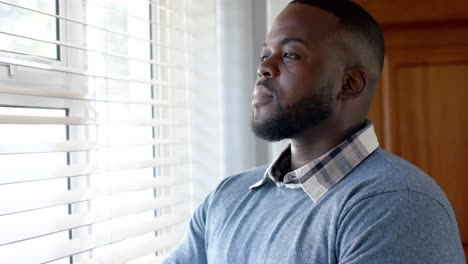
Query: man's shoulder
pixel 242 181
pixel 395 170
pixel 383 172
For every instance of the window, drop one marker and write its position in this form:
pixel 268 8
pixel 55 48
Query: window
pixel 20 37
pixel 13 195
pixel 94 152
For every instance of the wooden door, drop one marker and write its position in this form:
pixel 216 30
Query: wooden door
pixel 421 107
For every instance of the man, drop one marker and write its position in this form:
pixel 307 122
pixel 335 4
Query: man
pixel 332 196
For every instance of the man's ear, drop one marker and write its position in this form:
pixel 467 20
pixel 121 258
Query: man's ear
pixel 354 82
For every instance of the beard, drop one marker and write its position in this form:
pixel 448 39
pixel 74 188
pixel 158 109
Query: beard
pixel 289 121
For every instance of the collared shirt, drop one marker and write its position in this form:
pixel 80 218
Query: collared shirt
pixel 320 175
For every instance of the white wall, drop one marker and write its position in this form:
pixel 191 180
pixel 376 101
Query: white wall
pixel 241 32
pixel 274 7
pixel 204 96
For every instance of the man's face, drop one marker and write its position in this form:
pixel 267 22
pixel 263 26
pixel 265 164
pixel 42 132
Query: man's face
pixel 295 87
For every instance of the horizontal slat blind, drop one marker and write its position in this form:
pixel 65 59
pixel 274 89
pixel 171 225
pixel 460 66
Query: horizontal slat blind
pixel 142 248
pixel 73 247
pixel 12 119
pixel 90 74
pixel 69 197
pixel 37 229
pixel 72 146
pixel 94 130
pixel 26 175
pixel 45 92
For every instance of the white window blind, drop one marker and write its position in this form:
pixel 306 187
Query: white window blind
pixel 94 130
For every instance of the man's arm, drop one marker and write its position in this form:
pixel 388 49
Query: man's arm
pixel 398 227
pixel 192 248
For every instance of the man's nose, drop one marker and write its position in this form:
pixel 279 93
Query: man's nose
pixel 268 68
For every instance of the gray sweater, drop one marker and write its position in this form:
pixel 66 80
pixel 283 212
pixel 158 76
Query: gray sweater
pixel 384 211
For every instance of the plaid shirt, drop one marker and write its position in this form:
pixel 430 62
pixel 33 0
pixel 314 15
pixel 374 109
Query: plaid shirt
pixel 320 175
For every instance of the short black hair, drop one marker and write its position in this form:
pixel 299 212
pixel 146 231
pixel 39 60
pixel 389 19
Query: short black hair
pixel 355 20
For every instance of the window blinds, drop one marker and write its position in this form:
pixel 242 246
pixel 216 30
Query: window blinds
pixel 94 148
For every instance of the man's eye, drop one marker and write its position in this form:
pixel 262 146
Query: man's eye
pixel 264 57
pixel 290 55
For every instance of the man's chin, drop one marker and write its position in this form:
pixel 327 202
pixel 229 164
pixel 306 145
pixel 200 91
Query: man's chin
pixel 269 137
pixel 269 131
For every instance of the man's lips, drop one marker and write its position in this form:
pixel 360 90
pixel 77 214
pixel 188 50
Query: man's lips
pixel 261 98
pixel 262 95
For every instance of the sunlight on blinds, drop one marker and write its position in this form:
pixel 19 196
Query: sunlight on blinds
pixel 94 130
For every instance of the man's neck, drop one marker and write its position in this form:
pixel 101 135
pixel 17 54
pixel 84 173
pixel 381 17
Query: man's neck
pixel 316 141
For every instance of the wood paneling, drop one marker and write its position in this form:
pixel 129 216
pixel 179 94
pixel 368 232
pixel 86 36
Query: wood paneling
pixel 435 126
pixel 406 12
pixel 429 125
pixel 432 34
pixel 421 109
pixel 376 112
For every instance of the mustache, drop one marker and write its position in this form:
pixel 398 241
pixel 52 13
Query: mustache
pixel 267 84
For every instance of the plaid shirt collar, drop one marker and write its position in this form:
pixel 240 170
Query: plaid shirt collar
pixel 320 175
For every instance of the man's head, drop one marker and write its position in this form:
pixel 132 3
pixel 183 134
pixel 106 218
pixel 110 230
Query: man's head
pixel 319 65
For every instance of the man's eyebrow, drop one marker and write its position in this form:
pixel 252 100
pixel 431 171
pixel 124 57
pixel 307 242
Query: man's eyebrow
pixel 289 40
